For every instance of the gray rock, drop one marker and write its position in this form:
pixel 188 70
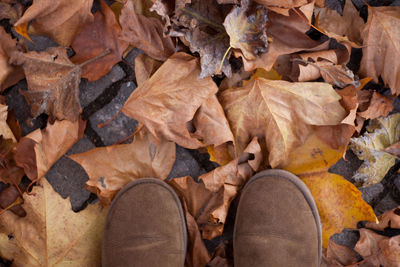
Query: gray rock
pixel 372 194
pixel 40 43
pixel 68 178
pixel 347 167
pixel 130 58
pixel 122 126
pixel 348 237
pixel 387 203
pixel 185 165
pixel 89 91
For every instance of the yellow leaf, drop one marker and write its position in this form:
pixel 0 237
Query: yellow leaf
pixel 339 202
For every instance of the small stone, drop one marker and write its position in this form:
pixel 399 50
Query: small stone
pixel 185 165
pixel 89 91
pixel 346 167
pixel 371 194
pixel 130 58
pixel 348 237
pixel 40 43
pixel 122 126
pixel 387 203
pixel 68 178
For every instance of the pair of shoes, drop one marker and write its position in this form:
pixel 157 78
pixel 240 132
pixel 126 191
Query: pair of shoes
pixel 277 224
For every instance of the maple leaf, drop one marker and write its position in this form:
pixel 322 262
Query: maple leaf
pixel 382 133
pixel 167 101
pixel 246 27
pixel 94 39
pixel 51 233
pixel 9 75
pixel 338 201
pixel 111 168
pixel 199 23
pixel 58 20
pixel 381 46
pixel 145 33
pixel 279 113
pixel 53 82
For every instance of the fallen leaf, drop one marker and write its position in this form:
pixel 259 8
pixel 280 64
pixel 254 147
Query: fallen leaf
pixel 58 20
pixel 370 147
pixel 370 245
pixel 199 25
pixel 338 201
pixel 345 28
pixel 49 145
pixel 167 101
pixel 145 33
pixel 53 82
pixel 282 7
pixel 145 66
pixel 246 27
pixel 389 219
pixel 379 106
pixel 51 233
pixel 9 75
pixel 381 46
pixel 111 168
pixel 94 39
pixel 7 197
pixel 279 113
pixel 5 130
pixel 11 12
pixel 10 173
pixel 340 255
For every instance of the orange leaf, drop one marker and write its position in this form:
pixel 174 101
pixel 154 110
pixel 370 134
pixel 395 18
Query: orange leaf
pixel 23 30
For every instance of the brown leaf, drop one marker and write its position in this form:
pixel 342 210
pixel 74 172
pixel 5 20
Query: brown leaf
pixel 199 25
pixel 343 28
pixel 9 75
pixel 7 197
pixel 380 106
pixel 50 144
pixel 11 12
pixel 96 37
pixel 287 35
pixel 339 255
pixel 246 27
pixel 167 101
pixel 282 7
pixel 381 46
pixel 145 33
pixel 145 66
pixel 58 20
pixel 52 234
pixel 10 173
pixel 390 219
pixel 280 113
pixel 111 168
pixel 53 82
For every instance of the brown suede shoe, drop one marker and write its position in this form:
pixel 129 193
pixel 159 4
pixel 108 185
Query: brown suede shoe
pixel 277 223
pixel 145 227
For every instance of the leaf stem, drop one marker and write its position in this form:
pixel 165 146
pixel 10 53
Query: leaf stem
pixel 105 53
pixel 223 59
pixel 15 203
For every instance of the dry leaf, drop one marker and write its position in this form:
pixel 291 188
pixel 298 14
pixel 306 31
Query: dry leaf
pixel 111 168
pixel 7 197
pixel 11 12
pixel 167 101
pixel 10 172
pixel 145 33
pixel 51 233
pixel 282 7
pixel 145 66
pixel 379 106
pixel 339 255
pixel 346 28
pixel 390 219
pixel 94 39
pixel 280 113
pixel 381 46
pixel 58 20
pixel 49 145
pixel 338 201
pixel 382 133
pixel 246 27
pixel 9 75
pixel 53 82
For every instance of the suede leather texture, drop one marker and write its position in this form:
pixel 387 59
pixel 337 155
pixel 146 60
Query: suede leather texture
pixel 275 226
pixel 145 227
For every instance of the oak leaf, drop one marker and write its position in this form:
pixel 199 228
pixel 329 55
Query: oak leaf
pixel 96 37
pixel 53 82
pixel 51 233
pixel 338 201
pixel 381 46
pixel 279 113
pixel 58 20
pixel 370 147
pixel 145 33
pixel 111 168
pixel 246 27
pixel 168 101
